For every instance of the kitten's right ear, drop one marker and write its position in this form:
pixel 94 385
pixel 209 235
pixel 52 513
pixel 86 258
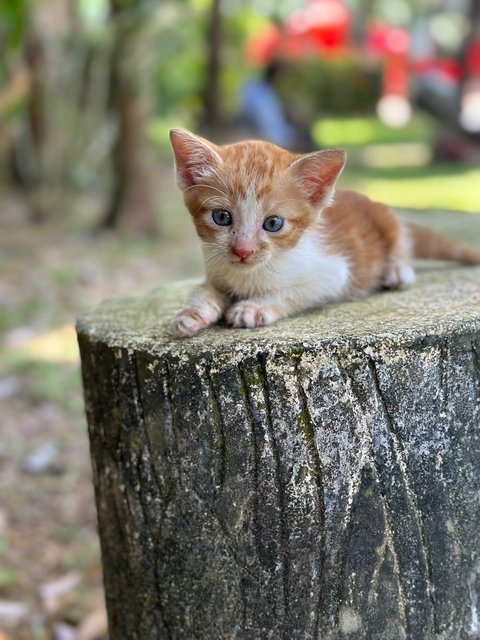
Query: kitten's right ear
pixel 194 157
pixel 317 172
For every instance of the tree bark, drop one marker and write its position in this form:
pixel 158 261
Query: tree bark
pixel 318 479
pixel 132 204
pixel 213 108
pixel 27 151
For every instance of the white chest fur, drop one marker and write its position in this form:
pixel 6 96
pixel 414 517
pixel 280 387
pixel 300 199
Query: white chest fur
pixel 307 271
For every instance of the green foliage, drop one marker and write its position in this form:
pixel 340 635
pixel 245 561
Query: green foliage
pixel 336 85
pixel 13 28
pixel 179 77
pixel 13 22
pixel 48 381
pixel 180 61
pixel 8 578
pixel 240 25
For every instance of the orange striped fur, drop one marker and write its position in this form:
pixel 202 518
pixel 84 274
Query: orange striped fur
pixel 332 245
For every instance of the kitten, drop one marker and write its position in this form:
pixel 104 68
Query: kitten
pixel 277 238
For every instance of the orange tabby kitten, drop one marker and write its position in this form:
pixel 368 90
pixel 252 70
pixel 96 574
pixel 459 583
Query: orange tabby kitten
pixel 278 239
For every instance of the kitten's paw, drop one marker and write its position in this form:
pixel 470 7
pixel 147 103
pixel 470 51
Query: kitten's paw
pixel 189 322
pixel 249 314
pixel 398 275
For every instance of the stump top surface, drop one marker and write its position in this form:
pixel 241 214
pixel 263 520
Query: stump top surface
pixel 445 300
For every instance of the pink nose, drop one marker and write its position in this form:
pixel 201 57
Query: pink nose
pixel 242 252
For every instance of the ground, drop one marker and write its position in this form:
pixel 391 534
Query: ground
pixel 50 572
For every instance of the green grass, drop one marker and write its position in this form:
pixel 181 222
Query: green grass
pixel 400 178
pixel 359 131
pixel 48 381
pixel 449 187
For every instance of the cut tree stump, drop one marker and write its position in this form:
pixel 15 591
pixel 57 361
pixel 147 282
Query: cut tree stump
pixel 317 479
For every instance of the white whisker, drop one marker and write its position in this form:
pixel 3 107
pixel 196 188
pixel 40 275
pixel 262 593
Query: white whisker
pixel 215 200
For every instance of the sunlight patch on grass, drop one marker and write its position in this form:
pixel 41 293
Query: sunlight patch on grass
pixel 407 154
pixel 448 188
pixel 57 346
pixel 363 130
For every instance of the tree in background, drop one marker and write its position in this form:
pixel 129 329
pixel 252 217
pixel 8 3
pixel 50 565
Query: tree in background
pixel 213 109
pixel 22 99
pixel 132 204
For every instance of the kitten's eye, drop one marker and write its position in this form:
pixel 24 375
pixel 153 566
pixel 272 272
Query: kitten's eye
pixel 221 217
pixel 273 223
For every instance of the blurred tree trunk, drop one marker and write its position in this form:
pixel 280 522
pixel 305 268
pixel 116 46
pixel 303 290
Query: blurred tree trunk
pixel 213 111
pixel 27 148
pixel 132 204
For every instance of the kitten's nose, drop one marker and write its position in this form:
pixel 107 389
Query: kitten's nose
pixel 242 251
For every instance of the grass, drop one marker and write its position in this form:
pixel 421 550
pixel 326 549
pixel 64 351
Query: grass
pixel 392 165
pixel 451 187
pixel 358 131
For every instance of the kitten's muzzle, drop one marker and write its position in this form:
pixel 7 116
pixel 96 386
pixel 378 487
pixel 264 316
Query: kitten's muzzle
pixel 241 251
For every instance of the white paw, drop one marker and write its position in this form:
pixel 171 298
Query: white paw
pixel 249 314
pixel 189 322
pixel 398 275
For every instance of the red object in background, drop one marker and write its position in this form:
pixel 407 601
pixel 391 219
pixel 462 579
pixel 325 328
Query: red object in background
pixel 322 26
pixel 449 69
pixel 264 45
pixel 396 77
pixel 472 63
pixel 324 23
pixel 383 39
pixel 392 44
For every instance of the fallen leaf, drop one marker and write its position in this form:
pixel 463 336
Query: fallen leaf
pixel 94 626
pixel 11 613
pixel 62 631
pixel 42 458
pixel 51 592
pixel 10 387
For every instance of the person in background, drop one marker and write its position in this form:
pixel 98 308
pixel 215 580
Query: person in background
pixel 262 109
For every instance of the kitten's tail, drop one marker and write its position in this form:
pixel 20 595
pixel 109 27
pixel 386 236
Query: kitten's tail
pixel 430 244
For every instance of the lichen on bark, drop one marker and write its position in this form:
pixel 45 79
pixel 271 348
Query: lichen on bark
pixel 317 479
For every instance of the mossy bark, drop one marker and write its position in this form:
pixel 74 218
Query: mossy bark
pixel 318 479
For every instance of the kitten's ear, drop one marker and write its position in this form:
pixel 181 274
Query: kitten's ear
pixel 317 173
pixel 194 157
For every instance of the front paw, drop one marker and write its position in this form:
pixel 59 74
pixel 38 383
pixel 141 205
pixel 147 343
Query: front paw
pixel 249 314
pixel 189 322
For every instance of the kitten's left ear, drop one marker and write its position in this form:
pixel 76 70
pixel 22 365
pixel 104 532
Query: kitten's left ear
pixel 317 173
pixel 194 157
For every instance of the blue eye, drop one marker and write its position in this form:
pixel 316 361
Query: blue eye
pixel 221 217
pixel 273 223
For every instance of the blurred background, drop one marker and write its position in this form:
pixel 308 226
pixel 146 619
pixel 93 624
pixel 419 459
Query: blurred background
pixel 89 208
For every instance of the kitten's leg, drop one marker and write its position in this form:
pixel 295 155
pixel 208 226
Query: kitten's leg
pixel 205 306
pixel 397 275
pixel 259 312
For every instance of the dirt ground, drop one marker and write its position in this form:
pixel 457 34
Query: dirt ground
pixel 50 571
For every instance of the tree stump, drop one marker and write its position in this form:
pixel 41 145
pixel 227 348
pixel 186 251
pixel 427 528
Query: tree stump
pixel 317 479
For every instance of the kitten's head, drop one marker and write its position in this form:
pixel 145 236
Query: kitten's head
pixel 251 200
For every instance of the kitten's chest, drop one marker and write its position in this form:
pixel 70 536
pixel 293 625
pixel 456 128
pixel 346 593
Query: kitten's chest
pixel 307 271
